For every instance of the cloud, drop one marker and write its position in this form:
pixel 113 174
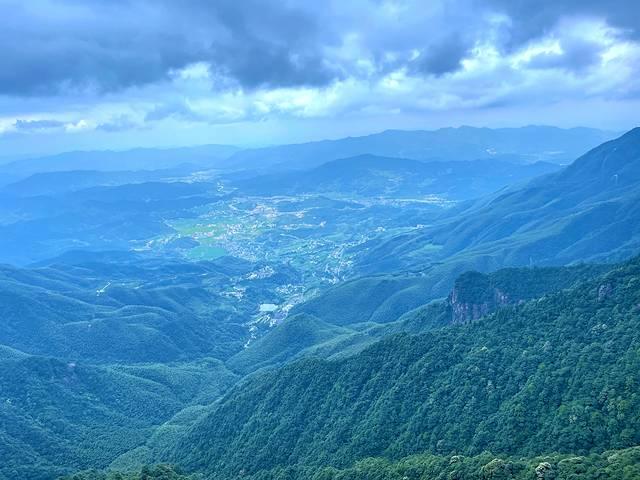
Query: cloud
pixel 121 123
pixel 37 125
pixel 53 47
pixel 177 110
pixel 65 47
pixel 444 57
pixel 530 19
pixel 574 56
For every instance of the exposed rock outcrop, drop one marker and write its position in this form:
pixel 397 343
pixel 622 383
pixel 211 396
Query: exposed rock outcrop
pixel 604 291
pixel 473 296
pixel 544 471
pixel 476 294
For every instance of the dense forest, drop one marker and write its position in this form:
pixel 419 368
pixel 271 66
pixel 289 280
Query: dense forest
pixel 159 472
pixel 521 362
pixel 555 374
pixel 609 465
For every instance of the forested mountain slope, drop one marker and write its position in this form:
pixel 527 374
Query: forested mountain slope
pixel 43 395
pixel 354 314
pixel 58 417
pixel 557 374
pixel 160 472
pixel 588 211
pixel 610 465
pixel 120 307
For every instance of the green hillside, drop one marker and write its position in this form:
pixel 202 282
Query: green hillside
pixel 557 374
pixel 58 417
pixel 118 307
pixel 611 465
pixel 588 211
pixel 345 319
pixel 291 338
pixel 160 472
pixel 135 312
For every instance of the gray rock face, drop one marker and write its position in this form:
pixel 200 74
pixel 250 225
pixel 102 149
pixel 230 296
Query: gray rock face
pixel 604 291
pixel 473 297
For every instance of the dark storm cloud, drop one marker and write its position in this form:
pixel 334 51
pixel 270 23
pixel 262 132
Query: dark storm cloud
pixel 268 44
pixel 53 47
pixel 48 48
pixel 443 57
pixel 534 18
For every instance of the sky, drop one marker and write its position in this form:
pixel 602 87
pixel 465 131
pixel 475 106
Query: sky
pixel 115 74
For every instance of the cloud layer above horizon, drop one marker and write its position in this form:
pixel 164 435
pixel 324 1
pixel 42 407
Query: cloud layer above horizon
pixel 111 68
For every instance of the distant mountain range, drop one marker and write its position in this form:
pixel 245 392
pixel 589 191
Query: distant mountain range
pixel 55 183
pixel 205 156
pixel 370 175
pixel 526 145
pixel 33 228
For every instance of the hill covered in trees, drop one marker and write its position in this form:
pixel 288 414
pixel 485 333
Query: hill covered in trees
pixel 57 417
pixel 586 212
pixel 354 314
pixel 81 399
pixel 134 310
pixel 556 374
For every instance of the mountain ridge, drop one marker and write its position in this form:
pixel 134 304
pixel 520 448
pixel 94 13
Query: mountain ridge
pixel 373 175
pixel 555 219
pixel 431 145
